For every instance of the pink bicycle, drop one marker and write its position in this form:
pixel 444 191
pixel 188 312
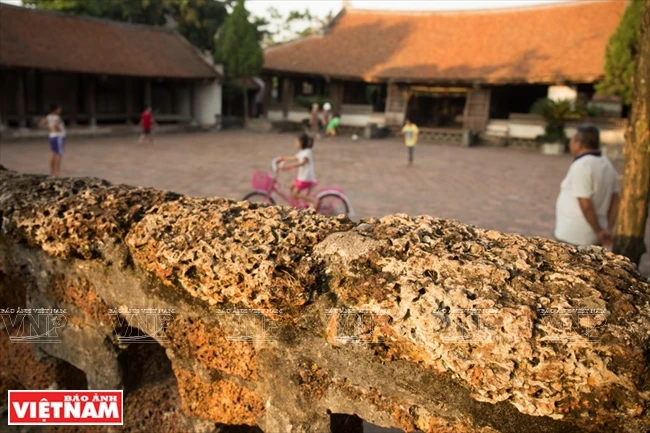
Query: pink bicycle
pixel 331 201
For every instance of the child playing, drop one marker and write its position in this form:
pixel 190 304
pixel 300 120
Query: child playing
pixel 410 132
pixel 146 121
pixel 56 136
pixel 306 177
pixel 333 126
pixel 326 116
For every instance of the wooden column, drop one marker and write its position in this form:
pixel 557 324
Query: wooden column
pixel 287 96
pixel 128 99
pixel 407 95
pixel 40 106
pixel 268 89
pixel 74 98
pixel 147 93
pixel 336 96
pixel 3 104
pixel 20 99
pixel 92 102
pixel 192 102
pixel 173 88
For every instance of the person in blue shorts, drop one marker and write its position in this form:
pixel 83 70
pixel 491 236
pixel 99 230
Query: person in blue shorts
pixel 56 136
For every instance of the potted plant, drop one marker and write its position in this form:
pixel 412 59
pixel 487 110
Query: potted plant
pixel 556 114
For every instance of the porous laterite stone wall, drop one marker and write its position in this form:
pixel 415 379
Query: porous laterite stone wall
pixel 469 329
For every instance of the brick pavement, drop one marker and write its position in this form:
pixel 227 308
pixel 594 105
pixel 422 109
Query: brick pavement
pixel 504 189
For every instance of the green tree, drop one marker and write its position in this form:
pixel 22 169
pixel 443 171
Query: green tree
pixel 275 28
pixel 238 48
pixel 196 20
pixel 620 54
pixel 199 20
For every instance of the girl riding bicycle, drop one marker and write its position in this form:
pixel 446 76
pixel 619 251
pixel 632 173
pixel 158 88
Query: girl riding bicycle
pixel 306 177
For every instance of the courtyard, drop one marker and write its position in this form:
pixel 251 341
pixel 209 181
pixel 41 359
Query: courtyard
pixel 497 188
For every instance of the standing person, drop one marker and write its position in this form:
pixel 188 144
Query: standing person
pixel 587 205
pixel 56 137
pixel 326 116
pixel 306 177
pixel 410 132
pixel 314 126
pixel 146 122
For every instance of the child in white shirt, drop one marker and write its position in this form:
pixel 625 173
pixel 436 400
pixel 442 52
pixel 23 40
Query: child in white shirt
pixel 306 177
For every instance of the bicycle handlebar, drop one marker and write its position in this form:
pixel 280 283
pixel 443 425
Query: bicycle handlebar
pixel 276 164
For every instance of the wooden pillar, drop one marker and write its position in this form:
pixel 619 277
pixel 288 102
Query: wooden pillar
pixel 192 97
pixel 147 93
pixel 128 99
pixel 3 104
pixel 336 96
pixel 396 103
pixel 40 106
pixel 287 96
pixel 407 95
pixel 20 99
pixel 92 102
pixel 74 98
pixel 268 89
pixel 173 89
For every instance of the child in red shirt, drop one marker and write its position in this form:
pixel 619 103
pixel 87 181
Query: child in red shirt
pixel 147 121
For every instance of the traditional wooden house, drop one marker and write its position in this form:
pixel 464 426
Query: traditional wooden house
pixel 447 71
pixel 100 71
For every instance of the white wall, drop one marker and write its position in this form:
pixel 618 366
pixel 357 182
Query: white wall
pixel 557 93
pixel 293 115
pixel 610 108
pixel 609 135
pixel 346 119
pixel 207 102
pixel 519 130
pixel 363 119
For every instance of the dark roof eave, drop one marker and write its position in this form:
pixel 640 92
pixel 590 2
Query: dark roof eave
pixel 122 74
pixel 449 80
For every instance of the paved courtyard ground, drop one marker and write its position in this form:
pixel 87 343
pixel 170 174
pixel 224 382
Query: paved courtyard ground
pixel 498 188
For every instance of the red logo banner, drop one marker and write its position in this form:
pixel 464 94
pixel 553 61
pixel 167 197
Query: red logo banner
pixel 65 407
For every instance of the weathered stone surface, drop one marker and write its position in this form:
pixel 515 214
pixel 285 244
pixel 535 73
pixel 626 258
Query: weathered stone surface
pixel 472 330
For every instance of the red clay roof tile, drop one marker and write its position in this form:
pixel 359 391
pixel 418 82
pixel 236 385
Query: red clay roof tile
pixel 46 40
pixel 541 44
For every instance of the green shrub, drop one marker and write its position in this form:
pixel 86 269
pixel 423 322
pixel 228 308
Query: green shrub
pixel 556 114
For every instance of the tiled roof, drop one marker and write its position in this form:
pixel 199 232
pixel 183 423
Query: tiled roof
pixel 541 44
pixel 53 41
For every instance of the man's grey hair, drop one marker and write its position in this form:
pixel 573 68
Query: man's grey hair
pixel 589 136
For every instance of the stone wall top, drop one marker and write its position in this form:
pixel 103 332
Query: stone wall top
pixel 467 324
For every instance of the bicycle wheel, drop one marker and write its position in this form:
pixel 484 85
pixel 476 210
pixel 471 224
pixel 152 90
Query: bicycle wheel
pixel 258 197
pixel 332 205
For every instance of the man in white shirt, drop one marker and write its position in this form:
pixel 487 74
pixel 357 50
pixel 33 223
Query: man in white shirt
pixel 587 205
pixel 56 137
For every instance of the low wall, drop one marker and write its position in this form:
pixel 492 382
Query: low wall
pixel 359 120
pixel 521 131
pixel 280 318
